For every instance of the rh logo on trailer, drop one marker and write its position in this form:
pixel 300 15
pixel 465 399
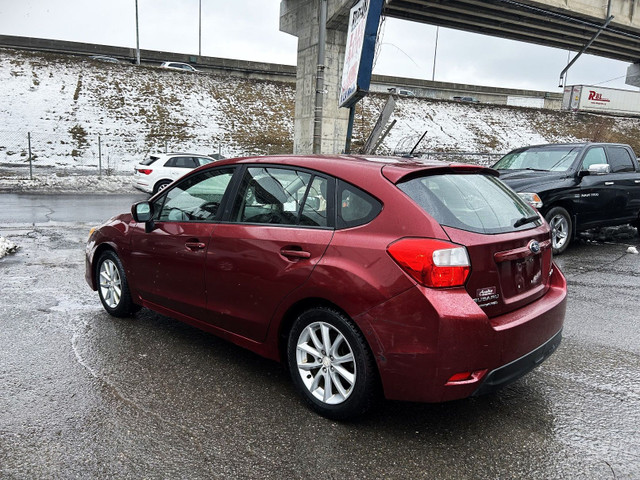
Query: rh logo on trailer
pixel 597 97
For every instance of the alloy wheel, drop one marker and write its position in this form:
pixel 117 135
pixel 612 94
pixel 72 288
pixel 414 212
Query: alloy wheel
pixel 110 283
pixel 559 231
pixel 326 363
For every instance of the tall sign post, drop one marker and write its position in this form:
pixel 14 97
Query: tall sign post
pixel 364 21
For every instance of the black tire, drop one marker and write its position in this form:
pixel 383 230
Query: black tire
pixel 161 185
pixel 344 338
pixel 561 229
pixel 113 287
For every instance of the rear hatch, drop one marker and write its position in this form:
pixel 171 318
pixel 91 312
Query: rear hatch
pixel 507 241
pixel 144 166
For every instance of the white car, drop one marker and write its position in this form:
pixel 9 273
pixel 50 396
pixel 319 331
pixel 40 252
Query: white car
pixel 160 169
pixel 185 67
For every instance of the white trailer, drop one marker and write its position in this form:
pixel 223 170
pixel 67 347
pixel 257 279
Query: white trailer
pixel 586 98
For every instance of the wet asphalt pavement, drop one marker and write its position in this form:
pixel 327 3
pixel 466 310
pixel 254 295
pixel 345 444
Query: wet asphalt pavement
pixel 85 395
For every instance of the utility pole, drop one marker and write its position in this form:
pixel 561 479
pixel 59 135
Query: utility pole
pixel 199 28
pixel 137 37
pixel 435 53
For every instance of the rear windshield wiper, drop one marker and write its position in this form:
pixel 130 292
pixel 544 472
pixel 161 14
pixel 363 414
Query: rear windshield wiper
pixel 525 220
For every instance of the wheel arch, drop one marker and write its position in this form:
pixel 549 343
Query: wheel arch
pixel 289 317
pixel 569 206
pixel 158 183
pixel 100 249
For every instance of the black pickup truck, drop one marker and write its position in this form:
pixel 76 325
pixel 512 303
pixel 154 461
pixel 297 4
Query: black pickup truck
pixel 576 186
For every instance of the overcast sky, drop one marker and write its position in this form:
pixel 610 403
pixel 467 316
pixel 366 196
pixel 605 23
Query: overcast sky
pixel 248 30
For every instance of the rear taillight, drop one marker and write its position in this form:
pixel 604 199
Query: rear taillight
pixel 432 263
pixel 145 171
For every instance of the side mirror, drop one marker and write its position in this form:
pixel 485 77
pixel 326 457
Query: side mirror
pixel 595 169
pixel 142 212
pixel 599 169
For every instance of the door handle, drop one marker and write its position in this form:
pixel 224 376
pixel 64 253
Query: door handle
pixel 609 183
pixel 195 245
pixel 292 253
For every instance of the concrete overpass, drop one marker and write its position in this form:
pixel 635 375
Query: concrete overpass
pixel 566 24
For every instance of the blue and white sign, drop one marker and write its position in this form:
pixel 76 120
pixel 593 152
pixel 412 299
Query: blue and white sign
pixel 364 20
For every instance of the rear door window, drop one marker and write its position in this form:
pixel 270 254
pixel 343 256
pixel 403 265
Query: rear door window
pixel 620 160
pixel 185 162
pixel 475 203
pixel 282 196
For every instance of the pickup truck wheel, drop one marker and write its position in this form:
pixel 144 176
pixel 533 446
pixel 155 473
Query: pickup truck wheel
pixel 560 222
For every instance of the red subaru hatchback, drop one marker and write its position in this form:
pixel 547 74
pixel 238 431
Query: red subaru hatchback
pixel 426 281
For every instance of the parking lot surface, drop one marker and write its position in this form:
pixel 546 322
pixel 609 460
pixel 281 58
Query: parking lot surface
pixel 85 395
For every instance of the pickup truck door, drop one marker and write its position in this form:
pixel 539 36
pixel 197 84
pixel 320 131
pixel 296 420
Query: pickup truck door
pixel 600 197
pixel 624 167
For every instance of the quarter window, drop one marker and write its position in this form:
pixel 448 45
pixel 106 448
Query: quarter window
pixel 356 206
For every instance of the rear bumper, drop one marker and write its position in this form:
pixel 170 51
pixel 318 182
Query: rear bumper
pixel 511 372
pixel 142 185
pixel 424 337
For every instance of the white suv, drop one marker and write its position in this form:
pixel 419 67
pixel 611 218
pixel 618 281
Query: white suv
pixel 185 67
pixel 160 169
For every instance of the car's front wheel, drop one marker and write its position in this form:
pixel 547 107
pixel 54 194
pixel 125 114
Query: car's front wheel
pixel 331 364
pixel 113 287
pixel 561 227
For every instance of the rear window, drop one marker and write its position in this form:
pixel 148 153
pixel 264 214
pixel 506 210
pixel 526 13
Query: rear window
pixel 475 203
pixel 150 160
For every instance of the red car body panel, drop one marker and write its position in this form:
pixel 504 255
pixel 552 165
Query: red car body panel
pixel 167 265
pixel 241 282
pixel 444 332
pixel 248 275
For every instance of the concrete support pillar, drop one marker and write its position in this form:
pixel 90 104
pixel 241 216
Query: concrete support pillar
pixel 301 18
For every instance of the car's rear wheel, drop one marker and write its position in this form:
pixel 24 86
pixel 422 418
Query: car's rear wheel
pixel 561 227
pixel 113 287
pixel 161 185
pixel 331 364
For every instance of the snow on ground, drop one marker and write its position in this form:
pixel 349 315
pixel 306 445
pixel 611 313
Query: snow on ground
pixel 7 247
pixel 69 184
